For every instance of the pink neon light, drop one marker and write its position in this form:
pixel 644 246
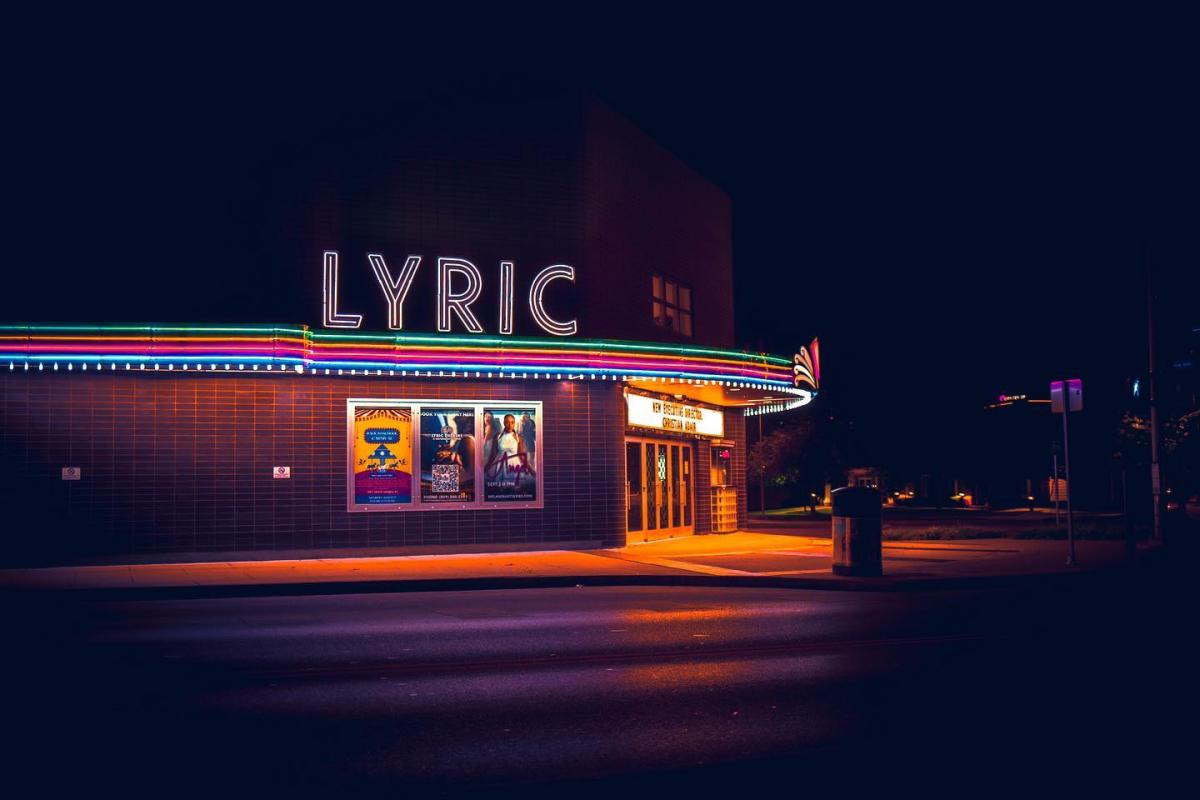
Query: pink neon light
pixel 564 361
pixel 499 358
pixel 170 351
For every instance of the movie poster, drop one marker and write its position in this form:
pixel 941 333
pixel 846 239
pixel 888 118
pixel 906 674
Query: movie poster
pixel 510 454
pixel 448 455
pixel 382 460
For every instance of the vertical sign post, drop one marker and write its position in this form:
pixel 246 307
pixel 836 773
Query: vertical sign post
pixel 1065 397
pixel 1054 487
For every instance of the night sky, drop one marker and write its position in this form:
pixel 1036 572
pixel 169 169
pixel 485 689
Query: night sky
pixel 953 221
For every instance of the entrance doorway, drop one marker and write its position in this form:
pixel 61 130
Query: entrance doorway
pixel 659 488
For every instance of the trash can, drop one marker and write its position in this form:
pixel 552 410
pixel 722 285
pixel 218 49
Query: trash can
pixel 857 532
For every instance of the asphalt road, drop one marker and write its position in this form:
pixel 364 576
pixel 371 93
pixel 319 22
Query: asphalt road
pixel 603 690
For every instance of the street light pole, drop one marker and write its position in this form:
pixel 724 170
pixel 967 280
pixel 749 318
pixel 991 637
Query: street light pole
pixel 1055 489
pixel 1155 474
pixel 1067 460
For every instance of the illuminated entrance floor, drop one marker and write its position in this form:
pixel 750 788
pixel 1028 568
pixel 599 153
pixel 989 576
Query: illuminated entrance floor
pixel 659 489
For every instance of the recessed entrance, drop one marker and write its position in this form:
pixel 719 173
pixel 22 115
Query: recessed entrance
pixel 658 489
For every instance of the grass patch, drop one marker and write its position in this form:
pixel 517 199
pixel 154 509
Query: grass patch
pixel 1091 530
pixel 939 533
pixel 794 511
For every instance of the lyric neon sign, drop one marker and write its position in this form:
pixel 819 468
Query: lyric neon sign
pixel 459 285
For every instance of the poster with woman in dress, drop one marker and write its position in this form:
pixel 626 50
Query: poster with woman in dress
pixel 510 455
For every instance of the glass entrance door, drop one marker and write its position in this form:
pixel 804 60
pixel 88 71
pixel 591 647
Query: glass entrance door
pixel 658 489
pixel 634 495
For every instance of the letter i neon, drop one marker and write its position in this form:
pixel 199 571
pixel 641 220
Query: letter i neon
pixel 506 297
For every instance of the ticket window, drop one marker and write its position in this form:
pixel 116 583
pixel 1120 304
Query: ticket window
pixel 724 493
pixel 722 467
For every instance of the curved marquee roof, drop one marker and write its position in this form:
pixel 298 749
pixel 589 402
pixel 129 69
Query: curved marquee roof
pixel 774 382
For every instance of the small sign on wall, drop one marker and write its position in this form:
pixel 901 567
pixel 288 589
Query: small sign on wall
pixel 281 472
pixel 72 473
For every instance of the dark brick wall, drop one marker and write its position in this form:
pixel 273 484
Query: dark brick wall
pixel 645 211
pixel 482 180
pixel 553 178
pixel 174 463
pixel 702 458
pixel 735 429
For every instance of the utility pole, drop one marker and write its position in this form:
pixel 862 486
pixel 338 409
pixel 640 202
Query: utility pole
pixel 1130 539
pixel 1067 459
pixel 1155 473
pixel 1054 488
pixel 1065 397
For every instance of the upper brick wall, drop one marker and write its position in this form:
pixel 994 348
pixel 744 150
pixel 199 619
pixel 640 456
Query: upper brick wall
pixel 560 178
pixel 538 178
pixel 645 211
pixel 484 180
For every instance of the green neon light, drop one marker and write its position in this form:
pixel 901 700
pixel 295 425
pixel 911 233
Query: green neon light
pixel 239 328
pixel 402 339
pixel 480 341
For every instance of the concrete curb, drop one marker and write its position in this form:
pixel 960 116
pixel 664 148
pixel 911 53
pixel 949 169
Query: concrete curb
pixel 822 583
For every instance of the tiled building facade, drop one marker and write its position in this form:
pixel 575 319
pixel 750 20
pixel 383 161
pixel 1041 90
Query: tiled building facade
pixel 184 461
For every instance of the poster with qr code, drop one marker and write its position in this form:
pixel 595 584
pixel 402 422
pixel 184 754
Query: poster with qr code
pixel 445 478
pixel 447 455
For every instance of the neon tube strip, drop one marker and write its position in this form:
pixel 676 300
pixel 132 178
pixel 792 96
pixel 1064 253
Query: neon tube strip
pixel 296 348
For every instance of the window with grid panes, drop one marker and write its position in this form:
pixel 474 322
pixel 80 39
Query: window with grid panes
pixel 671 305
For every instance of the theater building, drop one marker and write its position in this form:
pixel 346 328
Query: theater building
pixel 518 338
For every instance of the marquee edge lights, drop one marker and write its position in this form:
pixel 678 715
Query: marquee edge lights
pixel 288 349
pixel 298 349
pixel 802 398
pixel 281 337
pixel 303 333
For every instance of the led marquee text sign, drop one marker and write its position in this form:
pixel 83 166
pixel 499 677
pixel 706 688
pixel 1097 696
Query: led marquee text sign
pixel 459 284
pixel 667 415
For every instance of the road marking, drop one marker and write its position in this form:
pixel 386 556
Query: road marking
pixel 710 569
pixel 826 570
pixel 704 569
pixel 623 556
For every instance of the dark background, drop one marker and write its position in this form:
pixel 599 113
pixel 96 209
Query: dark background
pixel 957 209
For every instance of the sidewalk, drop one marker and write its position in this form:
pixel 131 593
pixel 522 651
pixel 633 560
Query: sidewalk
pixel 741 559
